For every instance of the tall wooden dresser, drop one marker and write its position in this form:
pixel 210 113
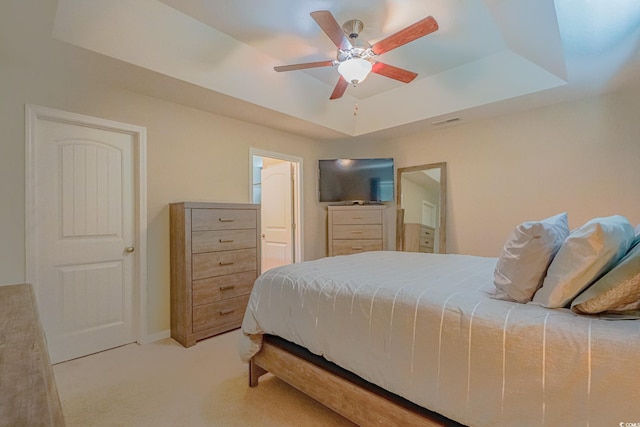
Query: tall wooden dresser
pixel 354 229
pixel 215 258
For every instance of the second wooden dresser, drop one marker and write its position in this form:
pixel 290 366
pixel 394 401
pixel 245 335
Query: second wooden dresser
pixel 354 229
pixel 215 258
pixel 418 238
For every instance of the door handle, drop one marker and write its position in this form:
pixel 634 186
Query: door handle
pixel 129 249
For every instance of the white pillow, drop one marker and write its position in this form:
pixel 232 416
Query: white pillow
pixel 589 251
pixel 522 266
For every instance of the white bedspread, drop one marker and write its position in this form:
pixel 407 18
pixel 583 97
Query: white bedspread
pixel 424 327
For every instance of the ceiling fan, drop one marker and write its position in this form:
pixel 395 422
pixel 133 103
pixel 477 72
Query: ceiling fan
pixel 355 59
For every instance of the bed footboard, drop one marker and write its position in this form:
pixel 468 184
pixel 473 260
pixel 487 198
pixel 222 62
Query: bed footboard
pixel 360 404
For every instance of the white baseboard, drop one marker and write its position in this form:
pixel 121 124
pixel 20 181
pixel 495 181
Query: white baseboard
pixel 149 338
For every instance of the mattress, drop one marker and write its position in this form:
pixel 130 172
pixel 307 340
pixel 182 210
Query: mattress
pixel 424 326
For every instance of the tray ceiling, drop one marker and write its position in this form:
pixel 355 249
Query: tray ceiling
pixel 485 52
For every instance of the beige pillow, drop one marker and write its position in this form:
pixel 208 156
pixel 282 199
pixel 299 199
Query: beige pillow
pixel 585 255
pixel 618 291
pixel 522 266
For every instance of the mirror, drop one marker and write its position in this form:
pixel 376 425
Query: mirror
pixel 421 203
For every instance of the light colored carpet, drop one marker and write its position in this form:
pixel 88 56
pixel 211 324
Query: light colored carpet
pixel 165 384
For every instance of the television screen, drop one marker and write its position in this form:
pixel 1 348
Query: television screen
pixel 356 180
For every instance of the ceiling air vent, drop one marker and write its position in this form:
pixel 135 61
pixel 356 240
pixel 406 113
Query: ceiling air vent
pixel 446 122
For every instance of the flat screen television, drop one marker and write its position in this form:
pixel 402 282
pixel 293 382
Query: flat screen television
pixel 356 180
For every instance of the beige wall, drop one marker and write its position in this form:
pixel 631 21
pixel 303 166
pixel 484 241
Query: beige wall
pixel 580 157
pixel 192 156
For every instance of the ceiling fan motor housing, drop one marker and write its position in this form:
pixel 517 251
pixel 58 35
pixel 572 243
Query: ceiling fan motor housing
pixel 355 52
pixel 360 49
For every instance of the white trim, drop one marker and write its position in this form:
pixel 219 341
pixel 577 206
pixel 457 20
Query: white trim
pixel 298 186
pixel 149 338
pixel 32 114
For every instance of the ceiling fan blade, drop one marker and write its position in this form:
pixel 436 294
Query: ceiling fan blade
pixel 339 89
pixel 393 72
pixel 304 66
pixel 421 28
pixel 331 28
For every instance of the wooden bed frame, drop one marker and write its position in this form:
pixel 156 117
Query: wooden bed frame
pixel 347 394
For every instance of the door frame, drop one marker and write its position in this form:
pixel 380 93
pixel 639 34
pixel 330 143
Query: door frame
pixel 298 206
pixel 34 113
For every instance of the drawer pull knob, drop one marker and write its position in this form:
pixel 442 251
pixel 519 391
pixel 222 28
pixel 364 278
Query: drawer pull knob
pixel 225 219
pixel 356 232
pixel 356 217
pixel 226 240
pixel 227 287
pixel 226 263
pixel 225 312
pixel 357 248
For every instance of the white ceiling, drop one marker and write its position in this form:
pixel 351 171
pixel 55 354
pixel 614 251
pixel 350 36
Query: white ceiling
pixel 488 56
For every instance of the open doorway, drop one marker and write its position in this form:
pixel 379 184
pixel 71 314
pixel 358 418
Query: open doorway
pixel 275 184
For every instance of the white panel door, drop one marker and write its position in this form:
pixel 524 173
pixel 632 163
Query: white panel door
pixel 84 196
pixel 277 209
pixel 428 214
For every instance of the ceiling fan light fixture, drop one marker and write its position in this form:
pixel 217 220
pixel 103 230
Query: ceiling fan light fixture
pixel 355 70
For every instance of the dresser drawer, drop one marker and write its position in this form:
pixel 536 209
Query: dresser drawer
pixel 223 219
pixel 223 240
pixel 426 249
pixel 219 313
pixel 346 247
pixel 357 231
pixel 428 242
pixel 355 217
pixel 212 264
pixel 206 291
pixel 427 232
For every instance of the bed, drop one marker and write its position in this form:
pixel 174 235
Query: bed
pixel 420 339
